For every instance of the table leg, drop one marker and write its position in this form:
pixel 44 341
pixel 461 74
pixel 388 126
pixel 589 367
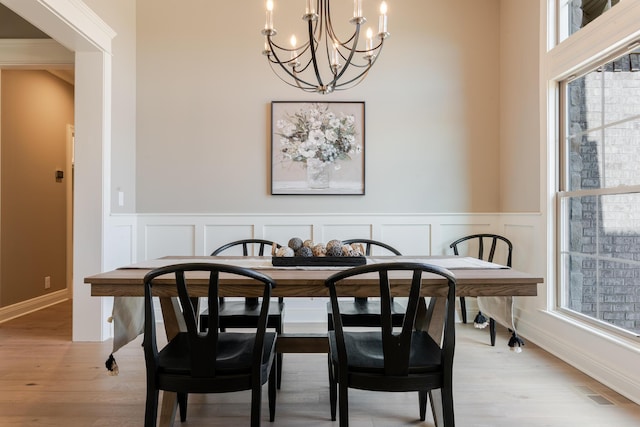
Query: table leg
pixel 431 319
pixel 173 323
pixel 168 408
pixel 435 396
pixel 172 315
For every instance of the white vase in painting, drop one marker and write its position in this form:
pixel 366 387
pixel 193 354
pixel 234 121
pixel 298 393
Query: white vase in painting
pixel 318 174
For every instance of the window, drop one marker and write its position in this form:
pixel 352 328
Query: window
pixel 576 14
pixel 600 194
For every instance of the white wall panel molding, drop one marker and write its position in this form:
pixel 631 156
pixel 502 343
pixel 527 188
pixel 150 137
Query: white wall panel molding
pixel 413 234
pixel 135 237
pixel 120 240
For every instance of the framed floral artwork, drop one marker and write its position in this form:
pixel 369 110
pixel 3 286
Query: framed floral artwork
pixel 317 148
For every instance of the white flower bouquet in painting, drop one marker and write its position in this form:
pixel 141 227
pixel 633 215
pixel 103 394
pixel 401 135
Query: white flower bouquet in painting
pixel 318 138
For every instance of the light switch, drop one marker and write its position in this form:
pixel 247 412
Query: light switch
pixel 120 198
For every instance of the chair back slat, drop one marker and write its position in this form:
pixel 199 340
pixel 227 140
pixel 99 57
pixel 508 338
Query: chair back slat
pixel 203 345
pixel 480 239
pixel 246 244
pixel 369 245
pixel 188 311
pixel 396 345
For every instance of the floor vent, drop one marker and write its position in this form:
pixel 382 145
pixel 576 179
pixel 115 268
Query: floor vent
pixel 593 395
pixel 600 400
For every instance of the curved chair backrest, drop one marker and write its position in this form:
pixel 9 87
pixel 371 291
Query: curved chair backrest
pixel 480 239
pixel 246 244
pixel 202 345
pixel 397 346
pixel 369 244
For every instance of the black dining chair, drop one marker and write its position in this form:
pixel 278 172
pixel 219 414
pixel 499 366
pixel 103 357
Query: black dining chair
pixel 362 311
pixel 386 360
pixel 211 361
pixel 479 242
pixel 245 314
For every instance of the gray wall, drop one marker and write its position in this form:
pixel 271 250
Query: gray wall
pixel 432 110
pixel 451 108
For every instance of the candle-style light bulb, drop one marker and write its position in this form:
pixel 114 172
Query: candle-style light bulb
pixel 310 9
pixel 267 47
pixel 335 58
pixel 269 23
pixel 357 8
pixel 369 43
pixel 382 27
pixel 293 42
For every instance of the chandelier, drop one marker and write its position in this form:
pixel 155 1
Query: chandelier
pixel 324 62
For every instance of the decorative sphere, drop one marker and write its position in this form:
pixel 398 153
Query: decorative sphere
pixel 284 252
pixel 319 250
pixel 346 249
pixel 334 242
pixel 295 243
pixel 304 251
pixel 308 243
pixel 358 249
pixel 334 251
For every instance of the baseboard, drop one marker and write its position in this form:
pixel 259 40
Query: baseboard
pixel 34 304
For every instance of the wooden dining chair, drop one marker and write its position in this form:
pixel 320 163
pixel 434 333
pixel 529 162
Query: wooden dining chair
pixel 362 311
pixel 245 314
pixel 480 241
pixel 386 360
pixel 213 361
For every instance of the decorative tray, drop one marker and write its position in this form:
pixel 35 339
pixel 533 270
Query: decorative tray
pixel 318 261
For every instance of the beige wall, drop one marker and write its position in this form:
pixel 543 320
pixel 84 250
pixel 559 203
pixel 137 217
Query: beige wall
pixel 520 136
pixel 432 110
pixel 36 109
pixel 451 108
pixel 121 17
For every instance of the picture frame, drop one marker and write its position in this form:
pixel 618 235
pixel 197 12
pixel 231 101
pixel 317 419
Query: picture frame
pixel 317 148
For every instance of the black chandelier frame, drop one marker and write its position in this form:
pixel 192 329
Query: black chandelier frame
pixel 305 57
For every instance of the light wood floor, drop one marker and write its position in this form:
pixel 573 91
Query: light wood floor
pixel 46 380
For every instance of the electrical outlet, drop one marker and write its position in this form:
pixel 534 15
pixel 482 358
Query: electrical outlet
pixel 47 282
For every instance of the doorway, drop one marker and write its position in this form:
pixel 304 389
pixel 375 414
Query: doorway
pixel 88 39
pixel 36 110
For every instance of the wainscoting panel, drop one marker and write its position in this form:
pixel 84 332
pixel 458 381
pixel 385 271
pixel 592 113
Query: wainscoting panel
pixel 160 235
pixel 281 233
pixel 219 234
pixel 409 238
pixel 169 239
pixel 451 232
pixel 120 241
pixel 524 252
pixel 344 231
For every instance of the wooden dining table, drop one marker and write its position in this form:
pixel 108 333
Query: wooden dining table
pixel 473 278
